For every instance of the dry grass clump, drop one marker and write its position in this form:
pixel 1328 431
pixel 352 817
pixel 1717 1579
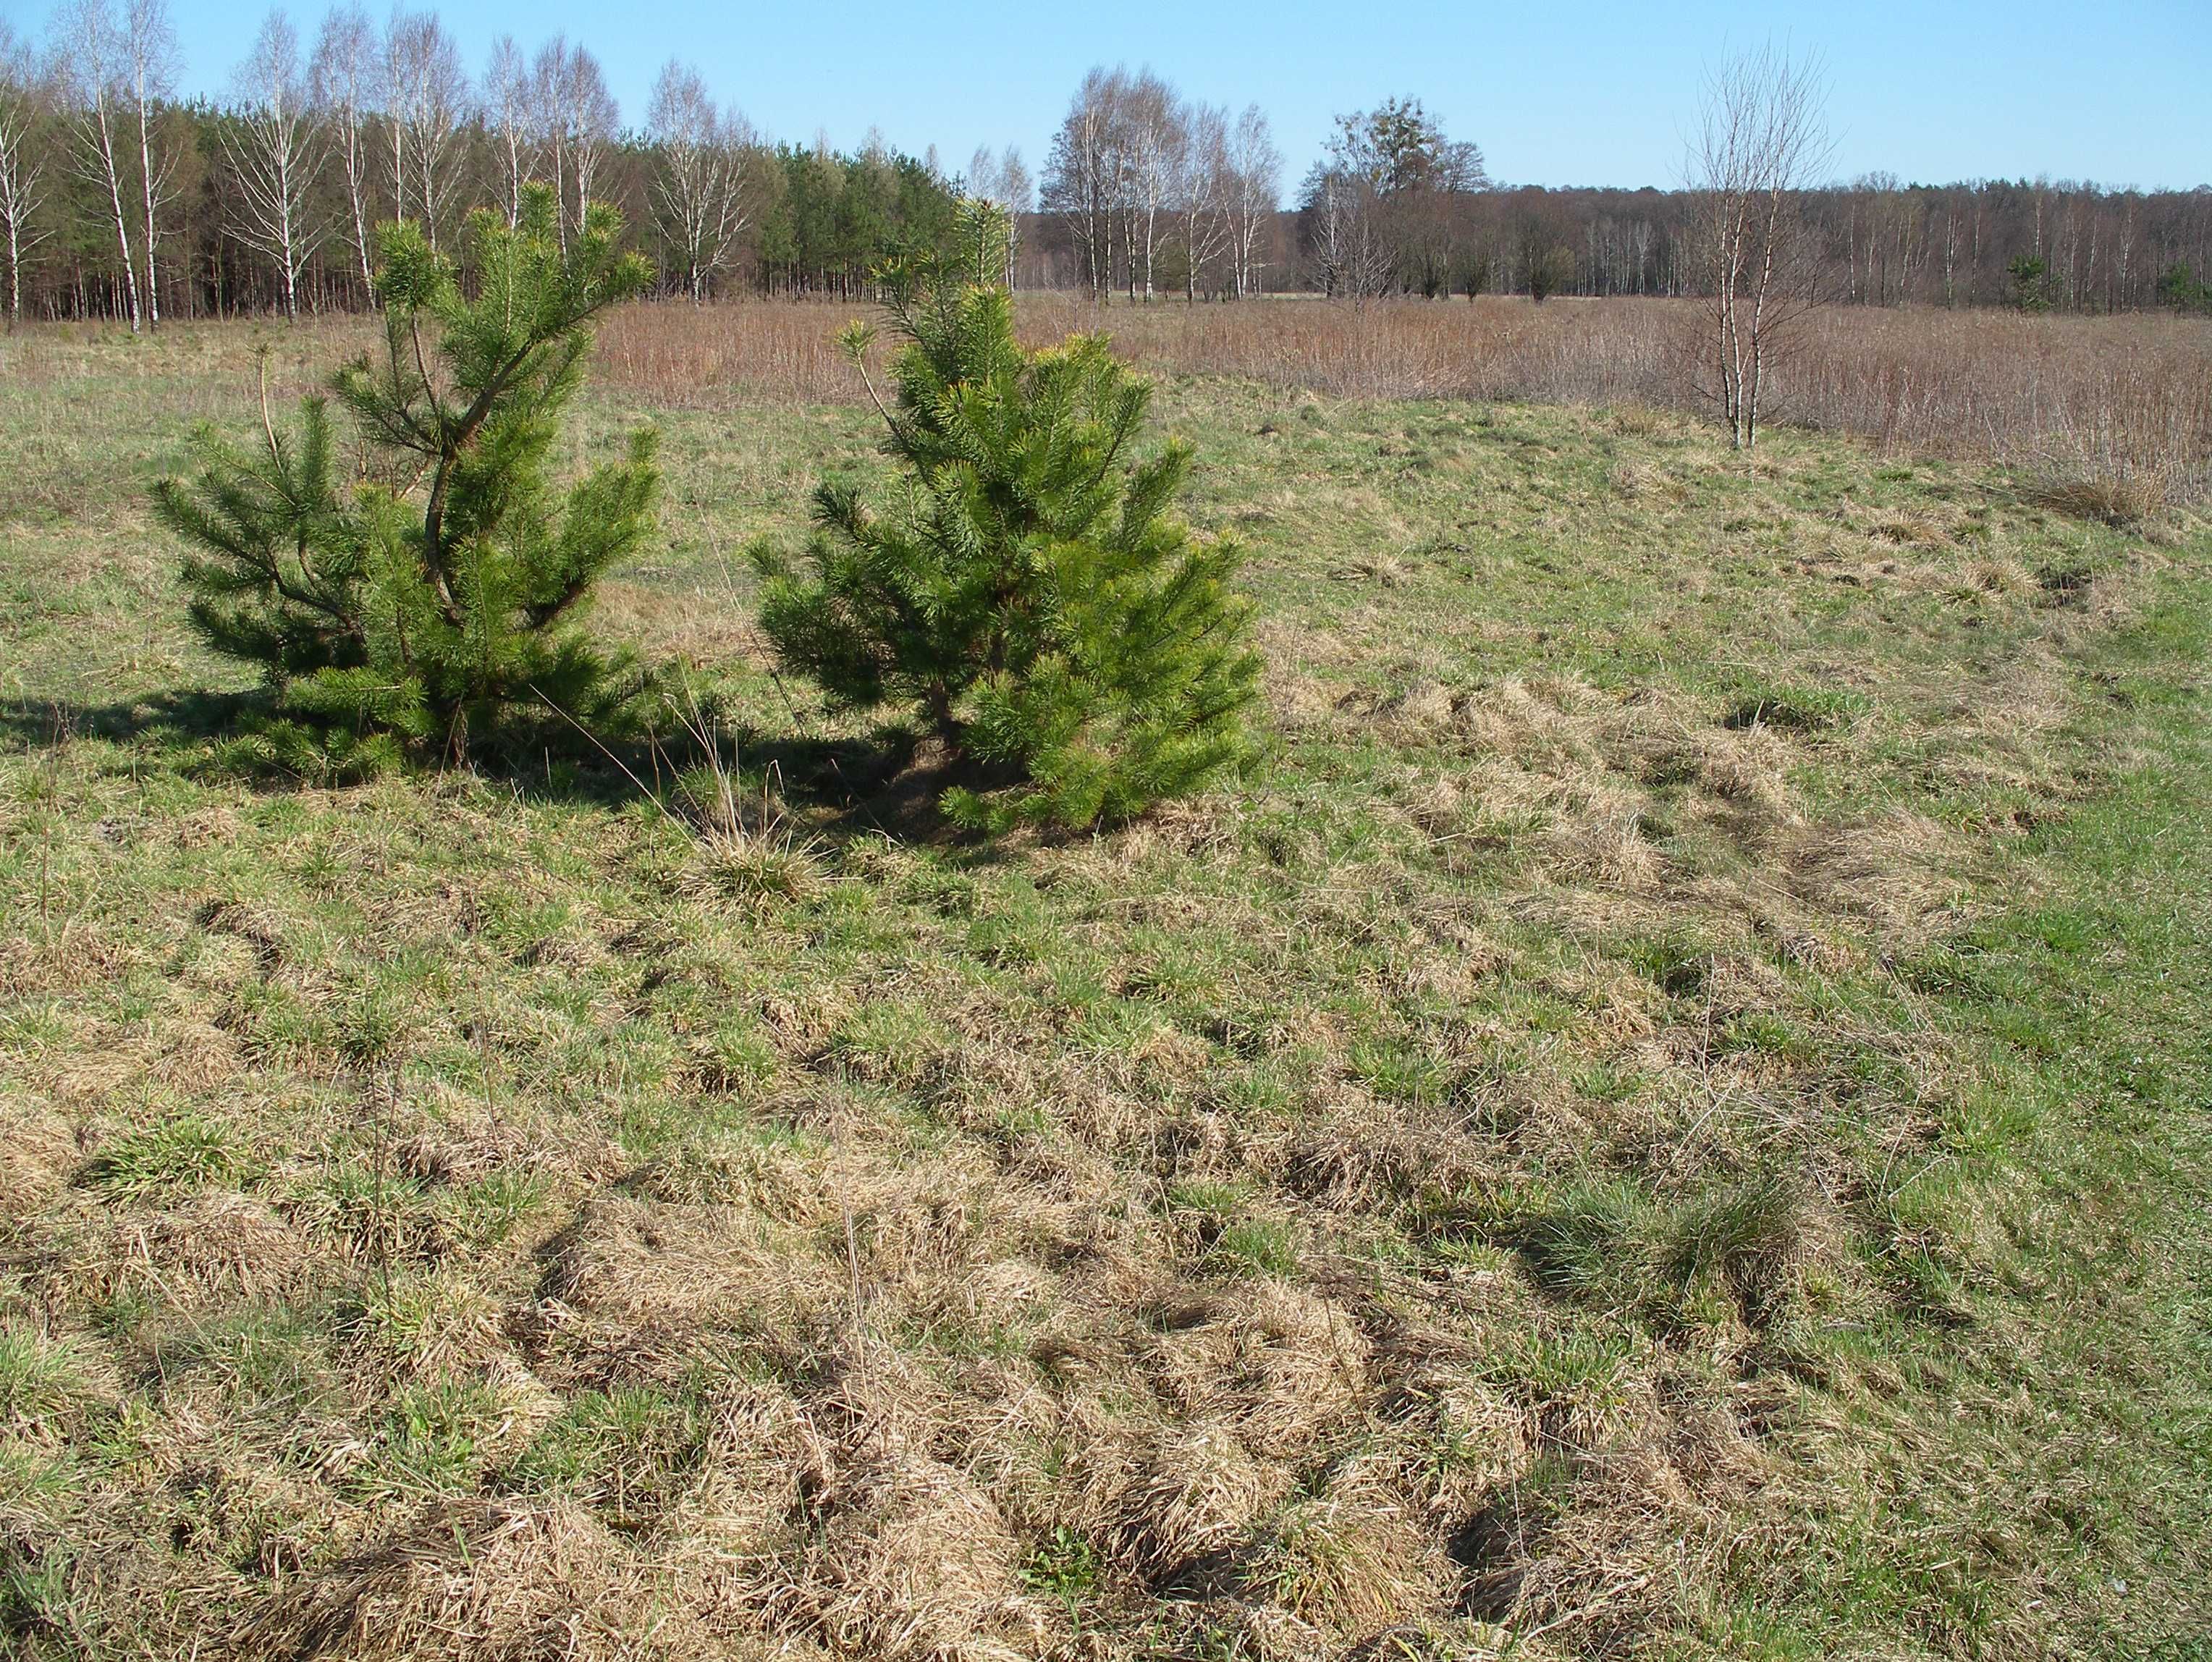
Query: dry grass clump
pixel 1189 1501
pixel 630 1269
pixel 506 1582
pixel 1278 1368
pixel 1647 483
pixel 1350 1563
pixel 421 1324
pixel 1901 871
pixel 912 1561
pixel 1598 782
pixel 218 1246
pixel 759 873
pixel 37 1154
pixel 749 850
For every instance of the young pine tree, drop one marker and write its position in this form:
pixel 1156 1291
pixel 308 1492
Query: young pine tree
pixel 1031 591
pixel 424 606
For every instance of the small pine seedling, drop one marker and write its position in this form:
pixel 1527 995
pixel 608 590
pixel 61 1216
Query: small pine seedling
pixel 423 606
pixel 1032 594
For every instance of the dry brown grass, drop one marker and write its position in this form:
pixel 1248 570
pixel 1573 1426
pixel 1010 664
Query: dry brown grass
pixel 2111 416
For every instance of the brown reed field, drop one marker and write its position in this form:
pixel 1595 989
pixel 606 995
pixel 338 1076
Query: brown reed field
pixel 2118 406
pixel 1664 1117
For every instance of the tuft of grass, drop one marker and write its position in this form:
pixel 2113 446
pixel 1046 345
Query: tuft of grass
pixel 41 1380
pixel 1067 1568
pixel 420 1324
pixel 1792 708
pixel 1342 1563
pixel 176 1157
pixel 627 1454
pixel 1259 1246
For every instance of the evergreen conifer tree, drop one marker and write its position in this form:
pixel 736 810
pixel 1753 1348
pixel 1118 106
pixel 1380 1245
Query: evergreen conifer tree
pixel 421 606
pixel 1032 591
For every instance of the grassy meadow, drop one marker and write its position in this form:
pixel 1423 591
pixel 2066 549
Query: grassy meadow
pixel 1667 1116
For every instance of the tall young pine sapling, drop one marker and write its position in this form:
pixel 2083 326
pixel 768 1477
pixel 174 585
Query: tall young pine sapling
pixel 426 605
pixel 1030 590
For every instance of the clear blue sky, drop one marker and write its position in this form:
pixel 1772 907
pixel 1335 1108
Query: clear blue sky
pixel 1564 93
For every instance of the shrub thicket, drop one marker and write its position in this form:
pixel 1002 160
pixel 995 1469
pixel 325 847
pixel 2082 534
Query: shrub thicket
pixel 429 602
pixel 1550 272
pixel 1031 589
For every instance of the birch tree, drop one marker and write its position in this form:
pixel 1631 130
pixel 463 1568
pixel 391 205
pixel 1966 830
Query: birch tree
pixel 1084 178
pixel 507 117
pixel 149 56
pixel 1760 141
pixel 393 83
pixel 550 122
pixel 275 153
pixel 342 81
pixel 22 166
pixel 1003 181
pixel 594 118
pixel 426 103
pixel 1253 188
pixel 1200 188
pixel 91 60
pixel 431 107
pixel 1152 158
pixel 700 197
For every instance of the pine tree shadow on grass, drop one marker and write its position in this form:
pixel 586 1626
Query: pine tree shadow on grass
pixel 181 717
pixel 889 781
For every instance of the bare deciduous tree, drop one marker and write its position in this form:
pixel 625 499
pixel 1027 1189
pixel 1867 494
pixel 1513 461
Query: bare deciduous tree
pixel 1200 188
pixel 92 60
pixel 1083 179
pixel 1344 214
pixel 574 117
pixel 1254 188
pixel 275 153
pixel 1131 166
pixel 150 56
pixel 1003 180
pixel 549 118
pixel 507 93
pixel 593 121
pixel 23 109
pixel 427 102
pixel 1152 159
pixel 342 79
pixel 699 198
pixel 393 80
pixel 1759 143
pixel 1380 205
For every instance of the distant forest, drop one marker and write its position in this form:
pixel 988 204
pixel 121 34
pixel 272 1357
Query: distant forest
pixel 119 199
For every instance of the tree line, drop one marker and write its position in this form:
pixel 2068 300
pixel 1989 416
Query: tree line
pixel 1146 190
pixel 119 199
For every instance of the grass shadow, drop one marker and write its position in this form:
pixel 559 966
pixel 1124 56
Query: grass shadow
pixel 184 716
pixel 889 781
